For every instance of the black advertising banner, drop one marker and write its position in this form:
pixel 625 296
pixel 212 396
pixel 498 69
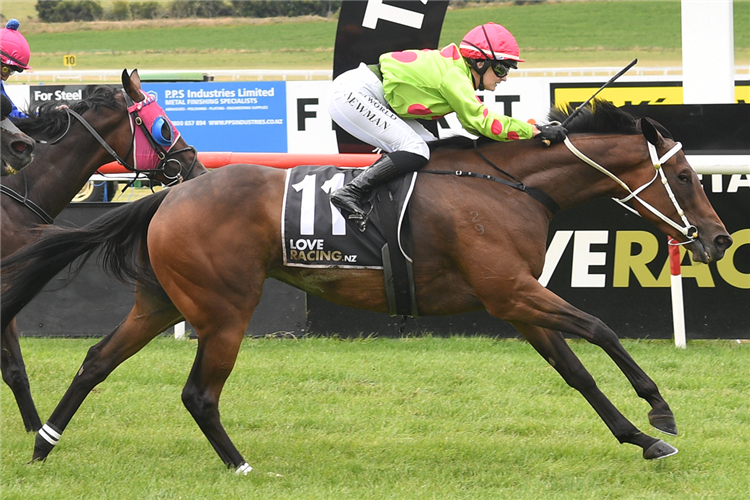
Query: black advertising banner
pixel 706 129
pixel 370 28
pixel 614 265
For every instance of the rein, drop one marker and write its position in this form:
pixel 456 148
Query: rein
pixel 25 201
pixel 689 230
pixel 515 183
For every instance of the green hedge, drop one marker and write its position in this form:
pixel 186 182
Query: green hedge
pixel 60 11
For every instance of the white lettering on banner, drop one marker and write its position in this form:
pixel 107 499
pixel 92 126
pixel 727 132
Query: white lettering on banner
pixel 264 121
pixel 42 96
pixel 377 10
pixel 59 95
pixel 736 182
pixel 554 254
pixel 305 244
pixel 583 258
pixel 716 183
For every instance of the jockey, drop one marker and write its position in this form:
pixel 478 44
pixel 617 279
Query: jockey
pixel 14 55
pixel 380 104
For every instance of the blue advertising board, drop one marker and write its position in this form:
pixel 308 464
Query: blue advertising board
pixel 227 116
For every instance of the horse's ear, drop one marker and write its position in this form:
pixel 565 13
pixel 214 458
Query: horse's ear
pixel 649 132
pixel 135 79
pixel 125 79
pixel 132 85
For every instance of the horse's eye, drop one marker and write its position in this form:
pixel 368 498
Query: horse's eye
pixel 684 178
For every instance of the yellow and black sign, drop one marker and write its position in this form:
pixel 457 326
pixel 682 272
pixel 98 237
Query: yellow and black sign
pixel 69 60
pixel 637 93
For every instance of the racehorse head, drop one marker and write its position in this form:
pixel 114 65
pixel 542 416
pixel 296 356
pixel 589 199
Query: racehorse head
pixel 704 234
pixel 111 117
pixel 654 175
pixel 157 145
pixel 17 147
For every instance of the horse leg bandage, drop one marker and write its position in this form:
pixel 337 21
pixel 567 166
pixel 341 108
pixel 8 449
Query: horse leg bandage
pixel 50 434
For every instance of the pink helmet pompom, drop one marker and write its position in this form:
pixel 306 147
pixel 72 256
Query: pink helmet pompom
pixel 490 41
pixel 14 49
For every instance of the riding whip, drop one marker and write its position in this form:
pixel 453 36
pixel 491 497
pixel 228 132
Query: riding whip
pixel 618 75
pixel 575 111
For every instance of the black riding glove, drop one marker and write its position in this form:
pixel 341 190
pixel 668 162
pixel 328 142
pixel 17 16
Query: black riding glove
pixel 552 133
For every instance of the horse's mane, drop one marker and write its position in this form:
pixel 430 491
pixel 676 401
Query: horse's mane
pixel 7 107
pixel 599 117
pixel 46 120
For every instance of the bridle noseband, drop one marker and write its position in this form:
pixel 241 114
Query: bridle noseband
pixel 688 230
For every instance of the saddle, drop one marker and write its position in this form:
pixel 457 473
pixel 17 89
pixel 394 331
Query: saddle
pixel 315 234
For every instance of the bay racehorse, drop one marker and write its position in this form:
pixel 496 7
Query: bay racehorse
pixel 75 140
pixel 17 147
pixel 202 250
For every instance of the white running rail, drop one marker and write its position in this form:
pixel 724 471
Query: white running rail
pixel 741 72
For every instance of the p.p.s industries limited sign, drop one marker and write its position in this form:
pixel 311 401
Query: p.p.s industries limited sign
pixel 219 116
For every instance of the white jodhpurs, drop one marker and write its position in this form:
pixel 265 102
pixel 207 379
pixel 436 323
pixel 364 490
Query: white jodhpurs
pixel 357 104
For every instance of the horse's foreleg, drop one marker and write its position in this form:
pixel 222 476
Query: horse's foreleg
pixel 14 374
pixel 545 309
pixel 150 316
pixel 555 350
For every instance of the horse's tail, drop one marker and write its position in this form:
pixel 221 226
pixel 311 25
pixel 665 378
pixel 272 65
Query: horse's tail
pixel 117 234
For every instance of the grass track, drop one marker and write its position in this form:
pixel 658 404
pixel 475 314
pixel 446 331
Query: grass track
pixel 457 418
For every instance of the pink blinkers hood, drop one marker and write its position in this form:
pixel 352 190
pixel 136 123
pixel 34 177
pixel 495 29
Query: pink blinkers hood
pixel 145 156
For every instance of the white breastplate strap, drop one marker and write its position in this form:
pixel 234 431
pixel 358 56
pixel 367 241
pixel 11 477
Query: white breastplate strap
pixel 688 230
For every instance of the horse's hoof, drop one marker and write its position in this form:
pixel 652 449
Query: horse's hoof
pixel 243 470
pixel 664 423
pixel 658 450
pixel 36 458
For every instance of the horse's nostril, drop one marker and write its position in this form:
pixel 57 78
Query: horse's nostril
pixel 722 242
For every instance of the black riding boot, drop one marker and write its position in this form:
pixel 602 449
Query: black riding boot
pixel 387 167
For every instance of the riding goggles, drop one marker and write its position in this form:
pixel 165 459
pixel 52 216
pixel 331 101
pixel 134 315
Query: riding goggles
pixel 9 70
pixel 500 69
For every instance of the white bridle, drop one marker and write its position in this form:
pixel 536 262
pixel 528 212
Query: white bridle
pixel 688 230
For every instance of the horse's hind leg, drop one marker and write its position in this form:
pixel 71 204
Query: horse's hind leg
pixel 217 352
pixel 14 374
pixel 152 314
pixel 553 348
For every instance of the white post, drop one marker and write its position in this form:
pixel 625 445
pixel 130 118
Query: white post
pixel 678 308
pixel 708 52
pixel 179 330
